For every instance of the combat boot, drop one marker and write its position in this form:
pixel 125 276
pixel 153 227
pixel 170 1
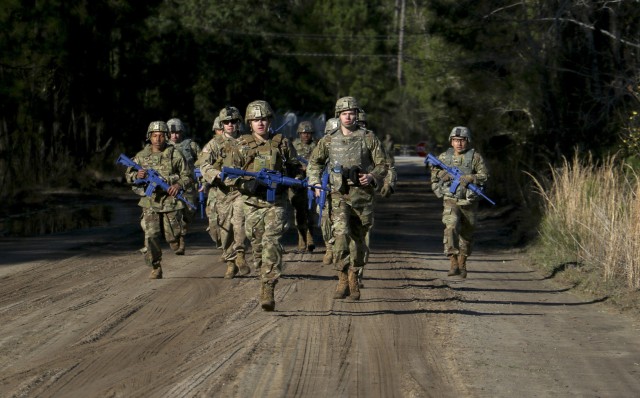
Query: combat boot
pixel 267 300
pixel 180 250
pixel 243 268
pixel 328 257
pixel 156 273
pixel 232 270
pixel 311 246
pixel 462 262
pixel 354 289
pixel 454 270
pixel 342 290
pixel 360 275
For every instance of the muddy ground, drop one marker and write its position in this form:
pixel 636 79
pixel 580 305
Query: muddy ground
pixel 80 318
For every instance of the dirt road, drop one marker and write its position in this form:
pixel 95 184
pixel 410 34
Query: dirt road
pixel 80 319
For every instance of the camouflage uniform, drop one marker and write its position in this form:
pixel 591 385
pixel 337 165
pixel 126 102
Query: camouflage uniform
pixel 325 223
pixel 460 207
pixel 265 222
pixel 222 151
pixel 304 217
pixel 213 229
pixel 161 212
pixel 351 204
pixel 189 150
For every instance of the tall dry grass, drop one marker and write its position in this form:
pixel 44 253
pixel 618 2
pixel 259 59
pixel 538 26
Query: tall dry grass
pixel 592 217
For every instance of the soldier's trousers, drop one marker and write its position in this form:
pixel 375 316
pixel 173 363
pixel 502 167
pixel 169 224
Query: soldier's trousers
pixel 459 224
pixel 154 224
pixel 230 213
pixel 350 226
pixel 264 226
pixel 213 229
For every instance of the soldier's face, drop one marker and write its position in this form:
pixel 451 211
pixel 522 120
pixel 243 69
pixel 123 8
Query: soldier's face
pixel 305 136
pixel 175 136
pixel 158 140
pixel 459 145
pixel 230 126
pixel 261 126
pixel 348 118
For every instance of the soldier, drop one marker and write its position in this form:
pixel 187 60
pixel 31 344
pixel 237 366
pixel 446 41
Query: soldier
pixel 220 152
pixel 325 223
pixel 304 216
pixel 357 164
pixel 460 208
pixel 189 150
pixel 161 211
pixel 265 222
pixel 213 229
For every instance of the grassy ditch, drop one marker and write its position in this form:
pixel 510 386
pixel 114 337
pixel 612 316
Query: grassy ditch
pixel 590 229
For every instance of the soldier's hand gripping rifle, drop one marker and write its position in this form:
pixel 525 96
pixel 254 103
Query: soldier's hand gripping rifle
pixel 202 198
pixel 153 180
pixel 270 179
pixel 455 174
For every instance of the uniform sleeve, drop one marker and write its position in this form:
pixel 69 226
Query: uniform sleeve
pixel 436 169
pixel 207 160
pixel 317 161
pixel 379 158
pixel 480 168
pixel 130 174
pixel 181 168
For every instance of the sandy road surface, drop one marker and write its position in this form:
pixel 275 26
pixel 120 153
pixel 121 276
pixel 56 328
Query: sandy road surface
pixel 80 318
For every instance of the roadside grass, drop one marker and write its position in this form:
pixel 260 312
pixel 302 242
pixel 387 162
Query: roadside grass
pixel 590 229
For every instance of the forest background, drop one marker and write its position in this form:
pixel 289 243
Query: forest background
pixel 534 80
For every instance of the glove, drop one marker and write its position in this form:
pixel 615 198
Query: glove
pixel 386 191
pixel 248 187
pixel 354 175
pixel 444 176
pixel 467 179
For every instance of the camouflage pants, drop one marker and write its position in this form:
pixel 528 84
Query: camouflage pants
pixel 213 229
pixel 230 213
pixel 459 224
pixel 154 224
pixel 264 227
pixel 350 226
pixel 303 216
pixel 325 226
pixel 189 214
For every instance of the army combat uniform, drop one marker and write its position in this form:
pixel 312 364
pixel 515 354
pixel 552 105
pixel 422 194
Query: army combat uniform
pixel 222 151
pixel 351 204
pixel 304 217
pixel 161 212
pixel 265 222
pixel 460 207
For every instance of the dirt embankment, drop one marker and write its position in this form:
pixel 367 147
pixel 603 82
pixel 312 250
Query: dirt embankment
pixel 80 318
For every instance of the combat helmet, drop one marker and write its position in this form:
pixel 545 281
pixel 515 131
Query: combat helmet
pixel 462 132
pixel 158 126
pixel 331 125
pixel 216 124
pixel 346 104
pixel 305 127
pixel 229 113
pixel 175 124
pixel 362 117
pixel 258 110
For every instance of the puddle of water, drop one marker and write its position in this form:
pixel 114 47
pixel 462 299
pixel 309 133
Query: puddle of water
pixel 55 219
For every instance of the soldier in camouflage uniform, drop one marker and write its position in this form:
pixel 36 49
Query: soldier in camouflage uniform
pixel 222 151
pixel 213 229
pixel 304 216
pixel 325 224
pixel 460 208
pixel 189 150
pixel 161 211
pixel 265 222
pixel 357 164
